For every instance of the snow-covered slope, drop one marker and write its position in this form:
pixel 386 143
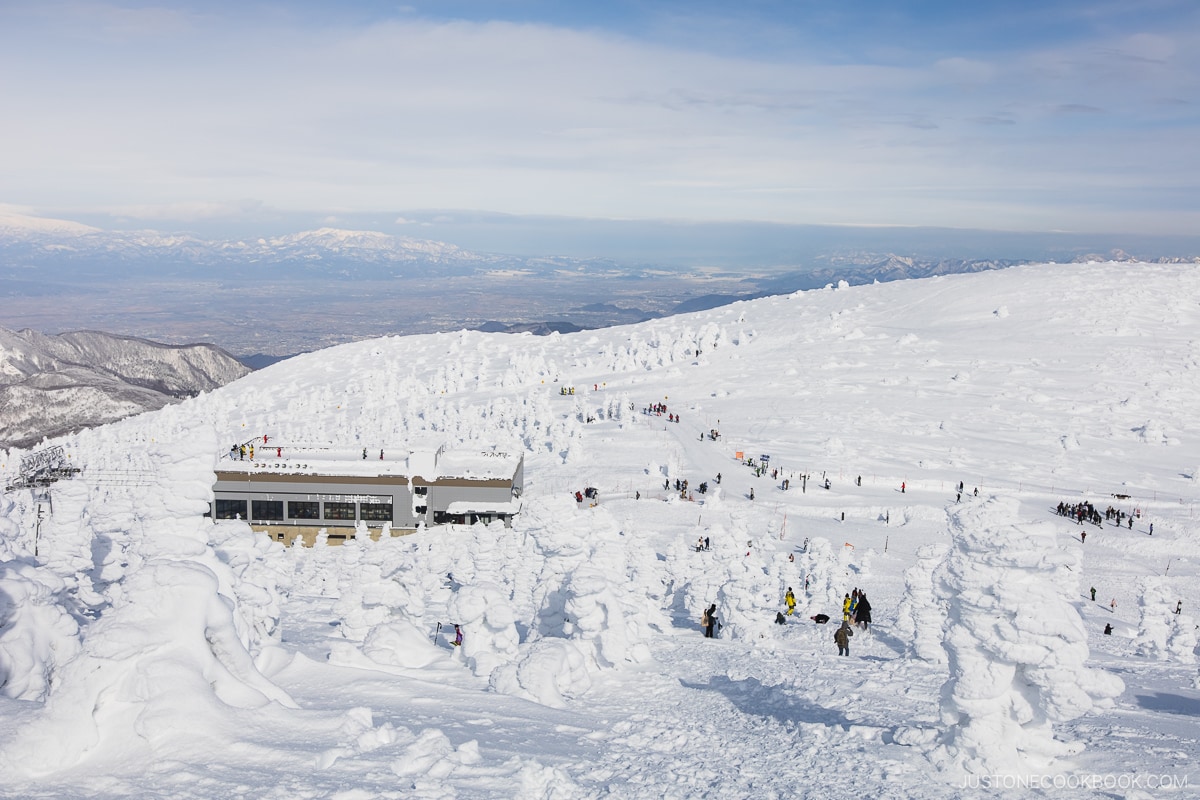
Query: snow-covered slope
pixel 53 384
pixel 146 650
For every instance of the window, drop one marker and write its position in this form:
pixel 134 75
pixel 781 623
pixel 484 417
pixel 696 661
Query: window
pixel 339 511
pixel 267 509
pixel 375 512
pixel 421 491
pixel 301 509
pixel 231 509
pixel 422 509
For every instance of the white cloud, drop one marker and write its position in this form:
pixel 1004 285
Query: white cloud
pixel 535 119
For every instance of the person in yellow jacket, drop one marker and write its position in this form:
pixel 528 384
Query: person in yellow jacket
pixel 790 599
pixel 846 608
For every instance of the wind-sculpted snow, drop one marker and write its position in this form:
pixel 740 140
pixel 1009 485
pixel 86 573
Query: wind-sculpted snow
pixel 148 650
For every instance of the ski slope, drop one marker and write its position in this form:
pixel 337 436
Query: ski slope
pixel 146 651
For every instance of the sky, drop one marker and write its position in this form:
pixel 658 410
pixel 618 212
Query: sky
pixel 1079 115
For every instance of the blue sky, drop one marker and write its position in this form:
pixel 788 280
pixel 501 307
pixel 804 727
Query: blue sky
pixel 1072 115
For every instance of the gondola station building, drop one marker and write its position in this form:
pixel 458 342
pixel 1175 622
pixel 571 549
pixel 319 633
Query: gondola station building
pixel 291 492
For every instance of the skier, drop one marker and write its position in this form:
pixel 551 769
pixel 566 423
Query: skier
pixel 1178 607
pixel 790 599
pixel 842 638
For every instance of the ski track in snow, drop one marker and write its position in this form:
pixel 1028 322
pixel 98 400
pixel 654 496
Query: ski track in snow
pixel 584 673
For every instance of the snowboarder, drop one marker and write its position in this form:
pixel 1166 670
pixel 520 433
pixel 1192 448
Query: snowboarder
pixel 842 638
pixel 709 621
pixel 458 636
pixel 790 599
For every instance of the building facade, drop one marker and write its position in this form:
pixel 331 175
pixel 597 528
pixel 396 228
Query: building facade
pixel 318 490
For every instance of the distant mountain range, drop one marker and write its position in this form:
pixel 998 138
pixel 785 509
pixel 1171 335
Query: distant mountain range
pixel 50 385
pixel 322 253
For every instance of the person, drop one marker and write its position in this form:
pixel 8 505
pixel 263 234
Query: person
pixel 381 455
pixel 1178 607
pixel 710 621
pixel 977 491
pixel 718 477
pixel 790 599
pixel 752 493
pixel 862 612
pixel 792 558
pixel 1113 605
pixel 458 636
pixel 780 619
pixel 1093 594
pixel 637 495
pixel 1108 629
pixel 251 452
pixel 903 486
pixel 1151 528
pixel 707 544
pixel 1082 537
pixel 846 607
pixel 233 452
pixel 842 638
pixel 364 454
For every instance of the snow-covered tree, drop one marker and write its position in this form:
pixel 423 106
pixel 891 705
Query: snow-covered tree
pixel 1017 647
pixel 921 615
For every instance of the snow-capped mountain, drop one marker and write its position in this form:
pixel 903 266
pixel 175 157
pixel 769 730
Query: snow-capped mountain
pixel 34 240
pixel 932 443
pixel 53 384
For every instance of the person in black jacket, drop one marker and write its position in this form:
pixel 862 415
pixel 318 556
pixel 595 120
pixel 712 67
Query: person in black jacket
pixel 710 621
pixel 862 612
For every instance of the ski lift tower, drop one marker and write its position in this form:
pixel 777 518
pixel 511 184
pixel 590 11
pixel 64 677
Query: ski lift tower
pixel 39 471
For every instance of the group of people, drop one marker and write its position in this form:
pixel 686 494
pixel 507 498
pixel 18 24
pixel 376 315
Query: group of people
pixel 591 494
pixel 1086 512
